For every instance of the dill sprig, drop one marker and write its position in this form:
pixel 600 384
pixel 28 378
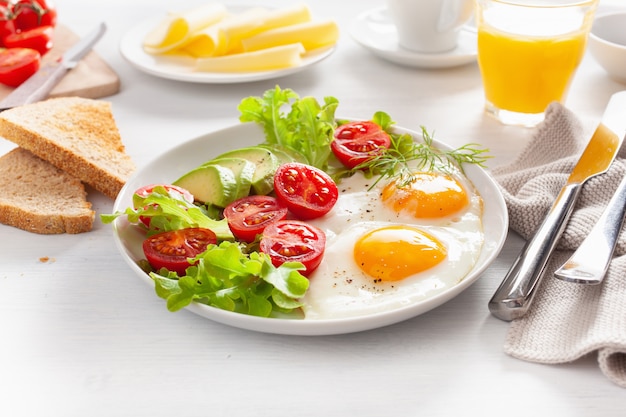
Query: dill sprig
pixel 405 156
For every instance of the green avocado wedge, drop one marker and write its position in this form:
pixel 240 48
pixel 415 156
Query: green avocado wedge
pixel 265 162
pixel 220 181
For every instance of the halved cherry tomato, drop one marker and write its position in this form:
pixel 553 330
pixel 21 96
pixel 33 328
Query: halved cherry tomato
pixel 294 241
pixel 30 14
pixel 173 191
pixel 357 142
pixel 172 249
pixel 308 192
pixel 17 65
pixel 248 216
pixel 39 39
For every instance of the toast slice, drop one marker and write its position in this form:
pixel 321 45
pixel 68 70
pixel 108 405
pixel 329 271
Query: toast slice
pixel 77 135
pixel 40 198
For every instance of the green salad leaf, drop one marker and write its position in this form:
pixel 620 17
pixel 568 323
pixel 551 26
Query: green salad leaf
pixel 170 212
pixel 227 278
pixel 301 124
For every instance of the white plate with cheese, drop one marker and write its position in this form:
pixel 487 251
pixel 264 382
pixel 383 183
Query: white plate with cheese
pixel 182 67
pixel 184 157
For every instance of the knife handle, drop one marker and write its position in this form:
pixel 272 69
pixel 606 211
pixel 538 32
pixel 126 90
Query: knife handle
pixel 39 85
pixel 589 263
pixel 517 291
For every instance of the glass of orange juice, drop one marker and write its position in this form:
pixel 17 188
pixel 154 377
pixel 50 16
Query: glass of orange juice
pixel 528 53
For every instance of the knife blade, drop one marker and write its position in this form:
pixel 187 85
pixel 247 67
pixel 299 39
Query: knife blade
pixel 39 85
pixel 590 262
pixel 515 294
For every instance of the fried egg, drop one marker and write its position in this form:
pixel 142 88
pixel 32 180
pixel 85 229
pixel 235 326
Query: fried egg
pixel 391 244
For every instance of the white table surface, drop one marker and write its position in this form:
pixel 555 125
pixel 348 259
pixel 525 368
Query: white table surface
pixel 83 336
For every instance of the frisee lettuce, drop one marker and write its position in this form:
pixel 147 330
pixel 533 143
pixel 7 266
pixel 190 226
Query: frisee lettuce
pixel 301 124
pixel 229 279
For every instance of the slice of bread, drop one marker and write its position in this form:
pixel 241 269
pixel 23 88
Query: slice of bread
pixel 77 135
pixel 38 197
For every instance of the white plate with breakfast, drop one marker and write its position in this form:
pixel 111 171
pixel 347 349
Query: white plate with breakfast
pixel 204 55
pixel 374 30
pixel 487 207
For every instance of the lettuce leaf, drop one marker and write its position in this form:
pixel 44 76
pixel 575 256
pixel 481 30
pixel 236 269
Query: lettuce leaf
pixel 169 212
pixel 227 278
pixel 300 124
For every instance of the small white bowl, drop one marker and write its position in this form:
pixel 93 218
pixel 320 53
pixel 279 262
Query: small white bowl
pixel 607 43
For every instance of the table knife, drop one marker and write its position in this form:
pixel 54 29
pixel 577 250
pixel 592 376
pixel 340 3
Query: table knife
pixel 39 85
pixel 590 262
pixel 515 294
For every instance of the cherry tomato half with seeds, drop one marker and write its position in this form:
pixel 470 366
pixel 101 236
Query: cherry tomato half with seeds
pixel 294 241
pixel 172 249
pixel 249 216
pixel 308 192
pixel 39 39
pixel 173 190
pixel 358 142
pixel 17 65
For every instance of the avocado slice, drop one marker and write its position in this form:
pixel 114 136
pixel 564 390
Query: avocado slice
pixel 244 171
pixel 285 154
pixel 219 182
pixel 266 164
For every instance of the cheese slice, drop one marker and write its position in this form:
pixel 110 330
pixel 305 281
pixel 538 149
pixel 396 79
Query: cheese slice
pixel 176 28
pixel 279 57
pixel 299 13
pixel 224 35
pixel 312 35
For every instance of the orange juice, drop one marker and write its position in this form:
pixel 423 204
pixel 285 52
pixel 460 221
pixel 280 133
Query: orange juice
pixel 528 53
pixel 524 73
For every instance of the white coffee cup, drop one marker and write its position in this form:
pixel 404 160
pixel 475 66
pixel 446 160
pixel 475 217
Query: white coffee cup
pixel 429 26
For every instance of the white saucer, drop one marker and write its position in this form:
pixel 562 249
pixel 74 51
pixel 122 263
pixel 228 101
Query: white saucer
pixel 374 30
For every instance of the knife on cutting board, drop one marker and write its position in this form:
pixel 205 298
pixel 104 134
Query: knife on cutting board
pixel 39 85
pixel 515 294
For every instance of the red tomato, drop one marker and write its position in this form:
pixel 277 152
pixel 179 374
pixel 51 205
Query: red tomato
pixel 358 142
pixel 172 190
pixel 30 14
pixel 171 249
pixel 294 241
pixel 7 23
pixel 308 192
pixel 39 39
pixel 248 216
pixel 17 65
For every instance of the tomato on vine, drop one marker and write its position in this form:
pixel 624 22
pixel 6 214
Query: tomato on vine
pixel 30 14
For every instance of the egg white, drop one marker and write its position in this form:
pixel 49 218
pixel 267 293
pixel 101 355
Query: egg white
pixel 339 288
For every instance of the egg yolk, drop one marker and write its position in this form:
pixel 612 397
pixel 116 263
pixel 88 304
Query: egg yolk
pixel 429 195
pixel 393 253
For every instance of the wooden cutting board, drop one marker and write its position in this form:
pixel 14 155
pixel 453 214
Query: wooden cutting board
pixel 91 78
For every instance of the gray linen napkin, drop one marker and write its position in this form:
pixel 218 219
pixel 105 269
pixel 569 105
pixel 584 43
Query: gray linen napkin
pixel 566 320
